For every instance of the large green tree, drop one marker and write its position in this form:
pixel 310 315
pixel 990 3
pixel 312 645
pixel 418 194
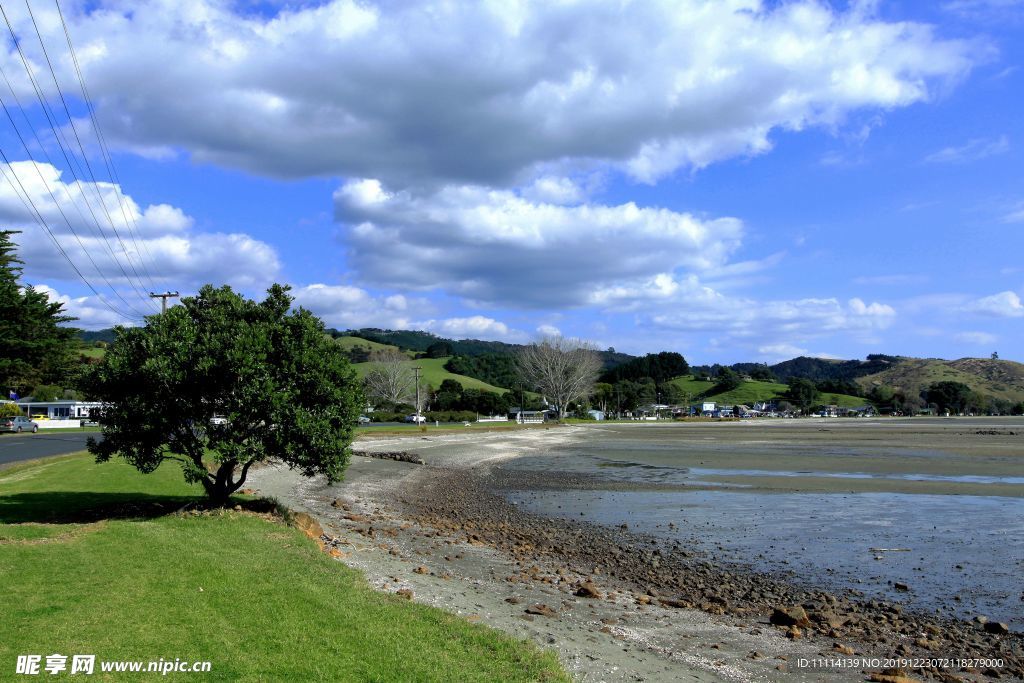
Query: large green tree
pixel 951 396
pixel 35 348
pixel 284 389
pixel 803 392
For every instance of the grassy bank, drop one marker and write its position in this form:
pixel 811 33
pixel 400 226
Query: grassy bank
pixel 96 560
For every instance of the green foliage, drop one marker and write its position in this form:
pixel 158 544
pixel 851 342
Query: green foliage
pixel 439 349
pixel 286 390
pixel 952 396
pixel 839 386
pixel 9 409
pixel 660 367
pixel 47 392
pixel 727 380
pixel 803 393
pixel 761 373
pixel 35 349
pixel 496 369
pixel 453 397
pixel 820 369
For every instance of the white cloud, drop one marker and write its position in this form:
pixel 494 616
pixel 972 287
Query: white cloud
pixel 1002 305
pixel 1015 216
pixel 780 352
pixel 774 328
pixel 130 247
pixel 873 310
pixel 473 327
pixel 482 92
pixel 973 150
pixel 347 307
pixel 976 338
pixel 496 246
pixel 90 312
pixel 548 331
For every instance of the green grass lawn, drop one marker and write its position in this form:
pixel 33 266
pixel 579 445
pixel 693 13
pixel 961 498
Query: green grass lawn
pixel 96 560
pixel 91 352
pixel 434 373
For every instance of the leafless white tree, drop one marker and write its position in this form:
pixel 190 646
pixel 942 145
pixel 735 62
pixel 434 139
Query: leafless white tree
pixel 564 370
pixel 391 377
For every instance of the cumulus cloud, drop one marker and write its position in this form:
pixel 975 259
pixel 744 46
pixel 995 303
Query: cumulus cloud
pixel 973 150
pixel 1002 305
pixel 347 307
pixel 478 93
pixel 122 249
pixel 90 312
pixel 473 327
pixel 496 246
pixel 787 319
pixel 549 331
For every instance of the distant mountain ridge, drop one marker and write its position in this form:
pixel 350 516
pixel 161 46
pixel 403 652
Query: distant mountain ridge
pixel 1003 379
pixel 415 340
pixel 825 369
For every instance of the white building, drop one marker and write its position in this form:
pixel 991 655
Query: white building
pixel 58 410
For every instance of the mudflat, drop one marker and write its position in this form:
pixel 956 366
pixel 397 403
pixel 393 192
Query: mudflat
pixel 954 456
pixel 620 602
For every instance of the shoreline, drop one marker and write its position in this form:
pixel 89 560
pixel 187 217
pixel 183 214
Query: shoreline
pixel 613 603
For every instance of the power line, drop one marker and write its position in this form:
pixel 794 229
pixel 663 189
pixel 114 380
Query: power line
pixel 49 190
pixel 81 148
pixel 104 149
pixel 47 187
pixel 26 199
pixel 62 143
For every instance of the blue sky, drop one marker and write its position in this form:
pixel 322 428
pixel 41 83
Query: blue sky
pixel 736 180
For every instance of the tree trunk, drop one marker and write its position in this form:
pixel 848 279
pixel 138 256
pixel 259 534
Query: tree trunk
pixel 219 486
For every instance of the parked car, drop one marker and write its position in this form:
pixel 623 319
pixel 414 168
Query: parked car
pixel 364 420
pixel 18 424
pixel 416 418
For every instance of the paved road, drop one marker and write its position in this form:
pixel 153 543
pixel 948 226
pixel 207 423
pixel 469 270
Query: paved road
pixel 16 447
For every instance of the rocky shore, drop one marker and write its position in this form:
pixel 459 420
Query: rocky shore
pixel 585 557
pixel 616 604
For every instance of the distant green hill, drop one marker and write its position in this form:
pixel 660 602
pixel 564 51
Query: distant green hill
pixel 416 340
pixel 829 369
pixel 434 373
pixel 752 391
pixel 993 377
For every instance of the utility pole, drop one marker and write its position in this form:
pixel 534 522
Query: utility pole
pixel 163 297
pixel 417 370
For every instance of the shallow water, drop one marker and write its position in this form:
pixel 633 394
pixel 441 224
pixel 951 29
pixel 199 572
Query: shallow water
pixel 966 552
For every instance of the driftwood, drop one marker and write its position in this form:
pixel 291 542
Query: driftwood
pixel 400 456
pixel 889 550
